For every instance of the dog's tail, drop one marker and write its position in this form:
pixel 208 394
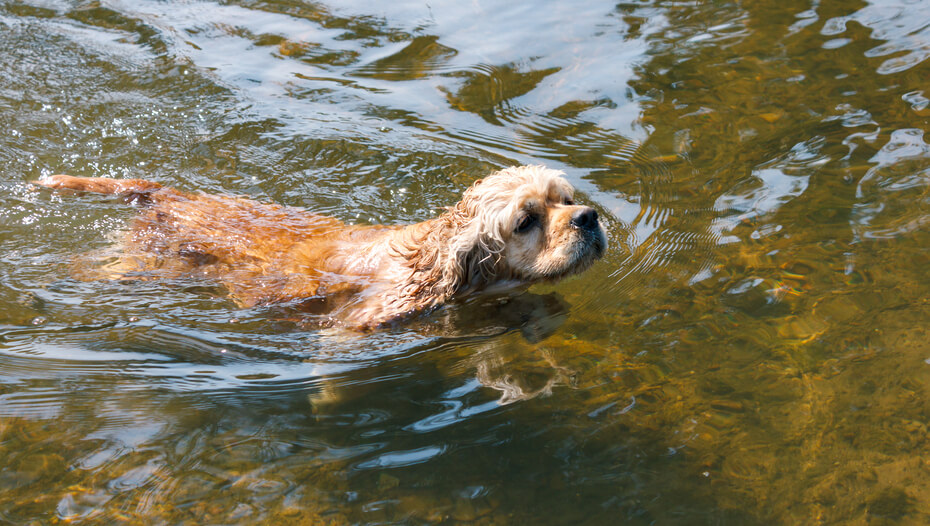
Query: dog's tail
pixel 132 189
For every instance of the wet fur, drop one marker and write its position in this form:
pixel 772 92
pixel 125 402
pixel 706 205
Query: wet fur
pixel 361 276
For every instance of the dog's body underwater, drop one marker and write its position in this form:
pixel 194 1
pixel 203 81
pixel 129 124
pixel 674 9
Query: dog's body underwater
pixel 516 227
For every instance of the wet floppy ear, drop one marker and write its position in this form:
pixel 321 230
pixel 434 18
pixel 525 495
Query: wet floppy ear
pixel 458 252
pixel 474 246
pixel 473 263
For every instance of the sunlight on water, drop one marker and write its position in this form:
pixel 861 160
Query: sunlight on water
pixel 751 350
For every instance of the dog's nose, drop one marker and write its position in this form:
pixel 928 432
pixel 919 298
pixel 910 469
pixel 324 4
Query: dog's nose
pixel 585 218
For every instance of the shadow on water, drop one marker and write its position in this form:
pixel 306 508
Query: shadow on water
pixel 751 350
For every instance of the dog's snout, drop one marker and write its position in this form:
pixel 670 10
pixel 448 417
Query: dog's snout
pixel 585 218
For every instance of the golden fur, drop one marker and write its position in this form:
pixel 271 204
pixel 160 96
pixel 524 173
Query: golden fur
pixel 516 227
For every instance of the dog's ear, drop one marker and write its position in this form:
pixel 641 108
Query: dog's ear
pixel 472 248
pixel 472 261
pixel 457 251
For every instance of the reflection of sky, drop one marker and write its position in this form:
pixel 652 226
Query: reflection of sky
pixel 765 193
pixel 396 459
pixel 892 188
pixel 771 186
pixel 480 35
pixel 901 24
pixel 184 360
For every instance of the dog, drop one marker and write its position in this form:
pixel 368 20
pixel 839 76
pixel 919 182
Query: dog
pixel 516 227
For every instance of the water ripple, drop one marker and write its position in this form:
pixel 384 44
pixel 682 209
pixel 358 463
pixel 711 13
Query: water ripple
pixel 901 24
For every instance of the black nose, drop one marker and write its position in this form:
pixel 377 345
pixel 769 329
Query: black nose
pixel 585 218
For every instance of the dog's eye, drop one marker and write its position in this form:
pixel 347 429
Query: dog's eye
pixel 569 202
pixel 526 223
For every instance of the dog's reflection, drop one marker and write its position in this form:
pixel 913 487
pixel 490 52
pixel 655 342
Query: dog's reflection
pixel 520 376
pixel 536 316
pixel 495 339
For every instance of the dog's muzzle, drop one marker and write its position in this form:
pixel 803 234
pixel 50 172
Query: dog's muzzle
pixel 585 219
pixel 595 239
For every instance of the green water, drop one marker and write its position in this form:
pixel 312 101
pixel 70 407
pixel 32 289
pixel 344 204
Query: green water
pixel 753 349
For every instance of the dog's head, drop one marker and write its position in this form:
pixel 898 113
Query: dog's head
pixel 521 225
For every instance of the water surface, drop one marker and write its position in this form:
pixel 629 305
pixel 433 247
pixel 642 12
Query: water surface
pixel 753 349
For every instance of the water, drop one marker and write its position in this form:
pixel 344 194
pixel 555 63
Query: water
pixel 752 350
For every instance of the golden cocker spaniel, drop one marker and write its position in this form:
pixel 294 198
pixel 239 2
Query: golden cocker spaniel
pixel 516 227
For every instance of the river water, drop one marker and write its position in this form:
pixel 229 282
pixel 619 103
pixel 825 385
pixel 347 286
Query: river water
pixel 753 349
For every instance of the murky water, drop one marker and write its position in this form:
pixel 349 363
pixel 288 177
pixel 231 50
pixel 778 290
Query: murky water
pixel 754 348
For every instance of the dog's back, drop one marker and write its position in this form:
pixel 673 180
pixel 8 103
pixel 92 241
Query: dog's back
pixel 258 250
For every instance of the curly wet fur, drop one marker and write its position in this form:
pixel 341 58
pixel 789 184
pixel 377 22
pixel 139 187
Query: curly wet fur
pixel 361 276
